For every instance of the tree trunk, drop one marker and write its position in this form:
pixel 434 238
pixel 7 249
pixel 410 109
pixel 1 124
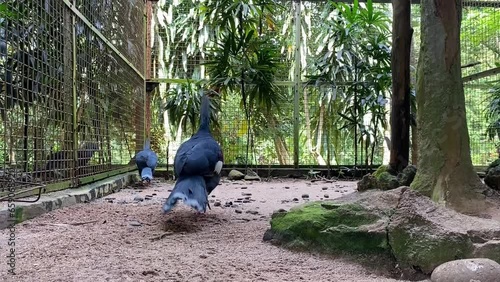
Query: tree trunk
pixel 414 145
pixel 309 142
pixel 279 142
pixel 445 171
pixel 386 144
pixel 400 60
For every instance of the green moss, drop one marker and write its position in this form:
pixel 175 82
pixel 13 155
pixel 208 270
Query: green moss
pixel 381 169
pixel 329 227
pixel 387 181
pixel 19 214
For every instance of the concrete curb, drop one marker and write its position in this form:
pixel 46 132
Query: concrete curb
pixel 60 199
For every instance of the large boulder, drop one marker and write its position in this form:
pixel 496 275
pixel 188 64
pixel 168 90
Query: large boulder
pixel 418 233
pixel 423 235
pixel 492 178
pixel 467 270
pixel 355 223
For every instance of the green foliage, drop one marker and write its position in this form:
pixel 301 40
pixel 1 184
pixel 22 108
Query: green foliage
pixel 353 50
pixel 493 114
pixel 345 57
pixel 183 103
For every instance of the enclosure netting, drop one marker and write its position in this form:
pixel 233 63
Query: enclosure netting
pixel 72 89
pixel 342 87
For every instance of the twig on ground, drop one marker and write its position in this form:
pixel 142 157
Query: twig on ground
pixel 70 224
pixel 161 236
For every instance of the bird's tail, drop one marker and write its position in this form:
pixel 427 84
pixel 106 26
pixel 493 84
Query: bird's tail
pixel 147 144
pixel 191 190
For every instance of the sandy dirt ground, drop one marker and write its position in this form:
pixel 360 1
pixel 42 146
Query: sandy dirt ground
pixel 125 237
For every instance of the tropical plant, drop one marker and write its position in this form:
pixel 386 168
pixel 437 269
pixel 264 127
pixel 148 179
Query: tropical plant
pixel 353 64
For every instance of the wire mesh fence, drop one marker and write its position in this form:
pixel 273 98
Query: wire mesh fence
pixel 72 95
pixel 333 74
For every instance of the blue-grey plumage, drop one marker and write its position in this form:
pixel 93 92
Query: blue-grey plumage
pixel 200 154
pixel 201 157
pixel 191 190
pixel 146 161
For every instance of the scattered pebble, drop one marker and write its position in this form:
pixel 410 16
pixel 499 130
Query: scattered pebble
pixel 287 187
pixel 150 272
pixel 246 194
pixel 135 223
pixel 238 211
pixel 326 196
pixel 154 194
pixel 324 188
pixel 295 199
pixel 305 196
pixel 217 204
pixel 138 198
pixel 213 196
pixel 253 212
pixel 243 187
pixel 203 256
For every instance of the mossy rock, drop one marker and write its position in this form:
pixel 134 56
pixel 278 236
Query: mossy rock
pixel 492 178
pixel 423 235
pixel 381 170
pixel 384 178
pixel 387 181
pixel 423 247
pixel 405 177
pixel 495 163
pixel 355 224
pixel 399 224
pixel 368 182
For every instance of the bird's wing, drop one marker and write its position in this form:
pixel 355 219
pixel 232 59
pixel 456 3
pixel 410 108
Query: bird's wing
pixel 152 159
